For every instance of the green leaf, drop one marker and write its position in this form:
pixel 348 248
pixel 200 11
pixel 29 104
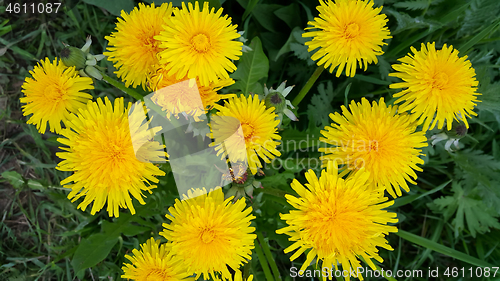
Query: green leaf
pixel 384 68
pixel 478 14
pixel 286 47
pixel 372 80
pixel 34 184
pixel 129 224
pixel 406 22
pixel 453 15
pixel 434 238
pixel 299 48
pixel 404 45
pixel 428 244
pixel 484 33
pixel 293 139
pixel 264 14
pixel 92 250
pixel 263 261
pixel 253 66
pixel 271 183
pixel 268 255
pixel 293 165
pixel 14 178
pixel 125 224
pixel 321 104
pixel 490 99
pixel 346 93
pixel 249 5
pixel 289 14
pixel 413 5
pixel 479 218
pixel 401 201
pixel 490 195
pixel 115 7
pixel 478 166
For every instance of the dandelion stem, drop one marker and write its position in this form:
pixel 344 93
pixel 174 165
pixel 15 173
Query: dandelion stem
pixel 263 261
pixel 308 85
pixel 269 256
pixel 121 86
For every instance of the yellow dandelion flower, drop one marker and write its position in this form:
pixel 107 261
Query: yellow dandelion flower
pixel 337 220
pixel 54 92
pixel 133 48
pixel 182 95
pixel 377 138
pixel 102 152
pixel 200 44
pixel 350 31
pixel 153 262
pixel 207 234
pixel 436 83
pixel 247 129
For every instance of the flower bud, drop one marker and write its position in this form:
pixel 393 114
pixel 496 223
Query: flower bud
pixel 458 131
pixel 72 56
pixel 276 100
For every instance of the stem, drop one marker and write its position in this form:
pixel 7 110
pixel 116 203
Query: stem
pixel 308 85
pixel 263 261
pixel 269 256
pixel 121 86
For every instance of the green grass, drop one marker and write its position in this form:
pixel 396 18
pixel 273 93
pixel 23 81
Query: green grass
pixel 447 220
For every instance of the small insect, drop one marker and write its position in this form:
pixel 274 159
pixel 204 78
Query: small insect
pixel 237 174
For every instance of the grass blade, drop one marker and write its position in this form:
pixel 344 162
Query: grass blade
pixel 428 244
pixel 473 41
pixel 263 261
pixel 269 256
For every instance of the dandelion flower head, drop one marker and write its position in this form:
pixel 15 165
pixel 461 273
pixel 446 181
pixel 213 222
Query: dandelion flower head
pixel 153 262
pixel 438 86
pixel 184 95
pixel 101 154
pixel 53 93
pixel 350 32
pixel 377 138
pixel 208 234
pixel 245 122
pixel 132 47
pixel 200 43
pixel 337 220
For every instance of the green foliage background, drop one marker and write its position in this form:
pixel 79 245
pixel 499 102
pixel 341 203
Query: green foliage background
pixel 449 219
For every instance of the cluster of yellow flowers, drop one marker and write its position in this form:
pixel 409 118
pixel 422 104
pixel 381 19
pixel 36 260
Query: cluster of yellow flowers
pixel 158 48
pixel 206 235
pixel 339 216
pixel 377 146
